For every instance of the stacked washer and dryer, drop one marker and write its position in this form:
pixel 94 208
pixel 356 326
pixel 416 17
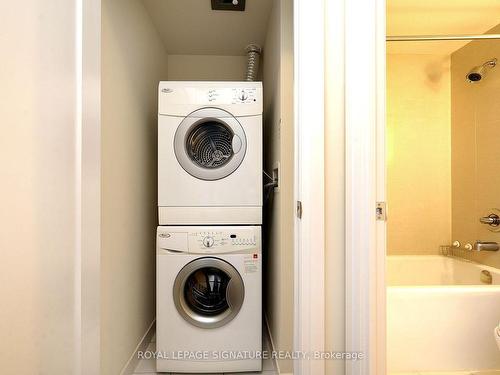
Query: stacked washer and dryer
pixel 209 256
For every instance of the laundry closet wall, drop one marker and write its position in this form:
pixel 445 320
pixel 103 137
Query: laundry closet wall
pixel 134 60
pixel 206 67
pixel 279 148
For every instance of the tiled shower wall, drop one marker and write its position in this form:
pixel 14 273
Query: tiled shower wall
pixel 475 139
pixel 418 153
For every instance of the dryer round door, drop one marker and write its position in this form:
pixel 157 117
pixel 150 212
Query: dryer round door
pixel 210 144
pixel 208 292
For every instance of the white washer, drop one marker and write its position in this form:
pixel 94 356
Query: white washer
pixel 210 153
pixel 209 299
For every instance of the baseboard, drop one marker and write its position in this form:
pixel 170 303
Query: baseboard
pixel 133 361
pixel 273 348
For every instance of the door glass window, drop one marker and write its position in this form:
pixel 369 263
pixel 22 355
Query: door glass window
pixel 209 144
pixel 205 291
pixel 208 292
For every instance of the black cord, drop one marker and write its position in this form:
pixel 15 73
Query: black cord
pixel 268 189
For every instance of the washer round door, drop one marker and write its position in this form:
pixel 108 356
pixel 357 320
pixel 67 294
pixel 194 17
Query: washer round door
pixel 210 144
pixel 208 292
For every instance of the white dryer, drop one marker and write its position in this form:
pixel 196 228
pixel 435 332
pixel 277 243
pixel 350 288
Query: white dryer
pixel 209 299
pixel 210 153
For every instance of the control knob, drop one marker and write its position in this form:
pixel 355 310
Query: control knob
pixel 208 241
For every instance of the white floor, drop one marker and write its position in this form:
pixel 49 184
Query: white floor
pixel 149 366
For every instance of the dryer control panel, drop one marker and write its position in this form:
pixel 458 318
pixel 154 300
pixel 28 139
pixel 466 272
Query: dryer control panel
pixel 183 98
pixel 209 240
pixel 202 96
pixel 231 96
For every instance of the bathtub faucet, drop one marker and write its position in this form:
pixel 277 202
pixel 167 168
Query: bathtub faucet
pixel 486 246
pixel 491 220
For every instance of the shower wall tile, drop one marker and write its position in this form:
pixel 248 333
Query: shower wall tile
pixel 475 147
pixel 418 153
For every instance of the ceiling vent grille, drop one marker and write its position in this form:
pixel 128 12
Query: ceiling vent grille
pixel 238 5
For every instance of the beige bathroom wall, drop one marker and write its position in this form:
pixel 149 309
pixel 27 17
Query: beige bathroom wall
pixel 206 68
pixel 475 147
pixel 278 147
pixel 418 153
pixel 133 61
pixel 39 242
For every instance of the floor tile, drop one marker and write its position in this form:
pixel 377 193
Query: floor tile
pixel 147 366
pixel 251 373
pixel 267 365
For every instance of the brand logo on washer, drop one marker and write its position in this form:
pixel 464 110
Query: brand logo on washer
pixel 164 235
pixel 167 90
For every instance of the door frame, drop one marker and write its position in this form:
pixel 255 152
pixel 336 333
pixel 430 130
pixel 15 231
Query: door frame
pixel 309 110
pixel 364 70
pixel 365 184
pixel 88 189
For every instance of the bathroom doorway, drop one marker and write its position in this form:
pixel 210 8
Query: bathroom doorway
pixel 441 165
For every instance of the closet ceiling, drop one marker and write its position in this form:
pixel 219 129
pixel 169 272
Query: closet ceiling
pixel 438 17
pixel 191 27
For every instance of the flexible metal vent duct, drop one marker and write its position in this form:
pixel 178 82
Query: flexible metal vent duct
pixel 253 51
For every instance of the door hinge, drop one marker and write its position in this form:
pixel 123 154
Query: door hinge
pixel 381 211
pixel 299 209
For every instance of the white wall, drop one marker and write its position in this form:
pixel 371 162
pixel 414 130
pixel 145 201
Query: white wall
pixel 279 147
pixel 206 68
pixel 133 61
pixel 39 315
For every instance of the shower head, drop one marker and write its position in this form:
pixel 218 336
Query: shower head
pixel 478 72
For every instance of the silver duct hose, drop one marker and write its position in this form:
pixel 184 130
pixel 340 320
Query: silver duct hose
pixel 253 51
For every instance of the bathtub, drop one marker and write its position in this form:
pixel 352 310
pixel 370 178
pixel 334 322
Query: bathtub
pixel 440 317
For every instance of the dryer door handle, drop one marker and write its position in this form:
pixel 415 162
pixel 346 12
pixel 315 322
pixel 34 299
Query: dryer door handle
pixel 235 293
pixel 236 144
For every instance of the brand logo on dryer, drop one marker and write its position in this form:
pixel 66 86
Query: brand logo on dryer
pixel 167 90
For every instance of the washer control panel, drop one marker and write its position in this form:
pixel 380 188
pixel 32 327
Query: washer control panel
pixel 208 240
pixel 217 241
